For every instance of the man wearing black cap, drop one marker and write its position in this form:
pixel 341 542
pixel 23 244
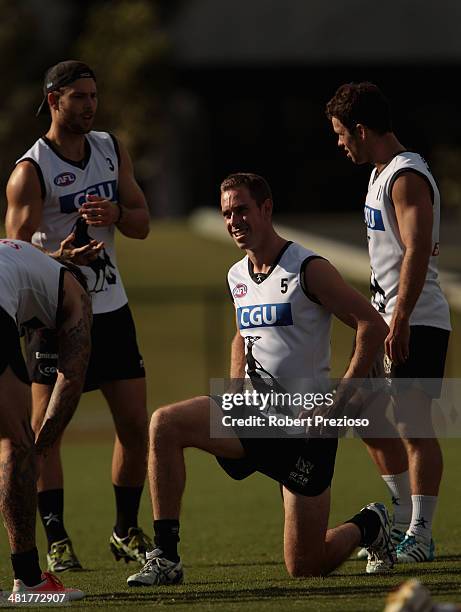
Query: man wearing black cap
pixel 76 180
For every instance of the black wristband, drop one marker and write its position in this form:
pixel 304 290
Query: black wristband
pixel 120 212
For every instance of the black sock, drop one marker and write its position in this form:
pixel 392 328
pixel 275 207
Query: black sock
pixel 51 509
pixel 369 524
pixel 166 537
pixel 26 567
pixel 127 504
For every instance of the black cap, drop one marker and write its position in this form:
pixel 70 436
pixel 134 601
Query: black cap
pixel 62 74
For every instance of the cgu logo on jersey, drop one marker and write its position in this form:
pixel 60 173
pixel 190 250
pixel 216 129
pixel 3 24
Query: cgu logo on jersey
pixel 264 315
pixel 374 219
pixel 71 202
pixel 239 290
pixel 64 179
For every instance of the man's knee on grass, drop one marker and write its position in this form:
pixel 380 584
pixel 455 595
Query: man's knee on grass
pixel 304 568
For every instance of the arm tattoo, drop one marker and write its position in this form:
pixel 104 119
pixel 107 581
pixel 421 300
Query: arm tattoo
pixel 74 345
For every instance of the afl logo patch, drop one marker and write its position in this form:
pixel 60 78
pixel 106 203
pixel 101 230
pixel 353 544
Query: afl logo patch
pixel 64 179
pixel 239 290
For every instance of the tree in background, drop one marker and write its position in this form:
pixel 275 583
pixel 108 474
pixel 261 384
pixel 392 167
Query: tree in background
pixel 17 120
pixel 123 41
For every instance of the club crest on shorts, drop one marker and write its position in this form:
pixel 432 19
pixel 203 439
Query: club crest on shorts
pixel 304 466
pixel 302 474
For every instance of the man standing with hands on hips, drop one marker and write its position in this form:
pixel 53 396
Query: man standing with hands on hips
pixel 76 180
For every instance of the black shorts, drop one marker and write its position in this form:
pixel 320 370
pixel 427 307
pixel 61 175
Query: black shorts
pixel 10 348
pixel 114 353
pixel 302 465
pixel 426 360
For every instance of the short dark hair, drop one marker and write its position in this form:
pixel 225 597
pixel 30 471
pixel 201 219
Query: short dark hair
pixel 257 185
pixel 363 103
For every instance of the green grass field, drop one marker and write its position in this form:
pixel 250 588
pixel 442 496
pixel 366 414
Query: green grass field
pixel 231 533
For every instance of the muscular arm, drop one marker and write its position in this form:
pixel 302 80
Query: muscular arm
pixel 134 219
pixel 25 204
pixel 135 214
pixel 328 286
pixel 413 208
pixel 74 345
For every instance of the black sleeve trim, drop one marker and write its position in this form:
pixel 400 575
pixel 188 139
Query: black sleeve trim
pixel 302 279
pixel 280 255
pixel 39 174
pixel 60 296
pixel 116 147
pixel 413 171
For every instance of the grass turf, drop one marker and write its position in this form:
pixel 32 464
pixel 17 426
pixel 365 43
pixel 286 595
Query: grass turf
pixel 232 539
pixel 231 532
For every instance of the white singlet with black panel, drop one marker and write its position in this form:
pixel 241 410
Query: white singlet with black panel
pixel 286 334
pixel 387 250
pixel 30 284
pixel 65 185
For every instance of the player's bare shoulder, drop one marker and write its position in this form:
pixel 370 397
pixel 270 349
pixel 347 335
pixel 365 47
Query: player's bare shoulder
pixel 24 194
pixel 410 188
pixel 24 182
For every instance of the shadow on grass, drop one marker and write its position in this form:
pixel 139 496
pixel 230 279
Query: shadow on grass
pixel 301 590
pixel 448 557
pixel 259 564
pixel 406 571
pixel 167 595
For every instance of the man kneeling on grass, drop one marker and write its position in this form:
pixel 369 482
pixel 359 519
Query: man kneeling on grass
pixel 298 291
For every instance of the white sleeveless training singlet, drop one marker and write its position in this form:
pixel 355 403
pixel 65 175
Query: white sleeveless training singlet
pixel 286 333
pixel 65 185
pixel 30 282
pixel 386 248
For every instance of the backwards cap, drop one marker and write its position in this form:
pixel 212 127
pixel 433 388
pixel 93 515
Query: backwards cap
pixel 62 74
